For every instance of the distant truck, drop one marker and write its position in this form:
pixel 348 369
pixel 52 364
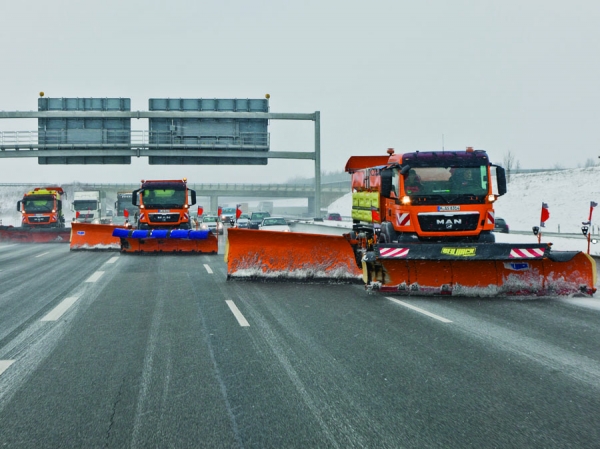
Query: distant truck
pixel 42 208
pixel 89 207
pixel 124 203
pixel 164 204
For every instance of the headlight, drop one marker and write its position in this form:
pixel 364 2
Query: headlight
pixel 406 200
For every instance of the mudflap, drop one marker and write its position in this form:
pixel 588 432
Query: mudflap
pixel 176 241
pixel 289 256
pixel 480 270
pixel 87 236
pixel 33 235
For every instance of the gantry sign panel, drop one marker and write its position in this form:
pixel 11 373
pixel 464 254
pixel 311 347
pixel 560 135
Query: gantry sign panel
pixel 208 133
pixel 94 133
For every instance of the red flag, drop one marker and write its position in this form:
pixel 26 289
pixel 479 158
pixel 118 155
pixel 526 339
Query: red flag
pixel 375 217
pixel 592 205
pixel 545 214
pixel 238 211
pixel 219 211
pixel 77 214
pixel 126 213
pixel 200 210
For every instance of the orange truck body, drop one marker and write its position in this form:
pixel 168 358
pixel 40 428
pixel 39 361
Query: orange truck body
pixel 42 208
pixel 164 204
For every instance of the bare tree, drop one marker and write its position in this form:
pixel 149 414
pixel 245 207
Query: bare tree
pixel 509 160
pixel 589 162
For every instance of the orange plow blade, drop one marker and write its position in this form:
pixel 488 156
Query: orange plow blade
pixel 31 235
pixel 547 273
pixel 272 255
pixel 87 236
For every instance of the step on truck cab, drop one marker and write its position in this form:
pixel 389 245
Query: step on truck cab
pixel 164 204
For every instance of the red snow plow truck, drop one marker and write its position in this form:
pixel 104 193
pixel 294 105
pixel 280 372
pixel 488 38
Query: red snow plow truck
pixel 422 225
pixel 163 224
pixel 42 219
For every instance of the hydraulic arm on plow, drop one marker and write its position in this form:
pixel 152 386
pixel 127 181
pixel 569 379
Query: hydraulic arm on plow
pixel 422 224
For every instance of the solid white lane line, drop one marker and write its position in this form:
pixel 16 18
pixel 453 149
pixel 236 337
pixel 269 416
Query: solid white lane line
pixel 208 269
pixel 4 364
pixel 94 277
pixel 40 255
pixel 57 312
pixel 237 314
pixel 7 246
pixel 417 309
pixel 113 259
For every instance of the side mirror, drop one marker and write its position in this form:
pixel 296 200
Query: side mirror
pixel 536 230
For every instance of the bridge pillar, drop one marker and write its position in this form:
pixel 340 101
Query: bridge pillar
pixel 311 205
pixel 214 203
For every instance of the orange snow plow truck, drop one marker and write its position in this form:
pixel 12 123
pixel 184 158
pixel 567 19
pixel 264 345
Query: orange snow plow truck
pixel 42 219
pixel 163 224
pixel 422 225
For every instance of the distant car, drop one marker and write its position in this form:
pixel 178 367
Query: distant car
pixel 243 221
pixel 256 219
pixel 501 225
pixel 274 224
pixel 212 223
pixel 334 217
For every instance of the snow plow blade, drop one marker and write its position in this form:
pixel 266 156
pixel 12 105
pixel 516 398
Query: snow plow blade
pixel 272 255
pixel 31 235
pixel 167 241
pixel 494 269
pixel 87 236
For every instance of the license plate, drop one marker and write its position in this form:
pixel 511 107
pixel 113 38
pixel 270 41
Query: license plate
pixel 164 211
pixel 448 208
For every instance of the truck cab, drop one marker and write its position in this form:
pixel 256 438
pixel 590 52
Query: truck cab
pixel 42 208
pixel 164 204
pixel 89 207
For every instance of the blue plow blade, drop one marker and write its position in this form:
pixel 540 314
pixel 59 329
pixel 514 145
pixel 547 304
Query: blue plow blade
pixel 161 234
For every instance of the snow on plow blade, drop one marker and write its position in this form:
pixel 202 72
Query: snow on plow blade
pixel 31 235
pixel 87 236
pixel 479 270
pixel 167 241
pixel 272 255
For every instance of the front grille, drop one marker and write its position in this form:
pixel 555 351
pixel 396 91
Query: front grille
pixel 39 219
pixel 448 223
pixel 163 218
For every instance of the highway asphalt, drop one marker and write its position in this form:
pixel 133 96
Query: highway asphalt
pixel 99 349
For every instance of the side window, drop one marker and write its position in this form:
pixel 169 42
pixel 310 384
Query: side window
pixel 396 182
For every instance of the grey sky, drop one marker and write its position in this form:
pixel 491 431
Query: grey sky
pixel 519 76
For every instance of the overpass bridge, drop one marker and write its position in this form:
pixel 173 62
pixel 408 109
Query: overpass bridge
pixel 218 193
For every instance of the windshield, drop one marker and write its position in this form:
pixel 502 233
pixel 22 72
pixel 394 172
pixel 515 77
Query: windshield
pixel 209 219
pixel 447 184
pixel 274 221
pixel 82 205
pixel 164 198
pixel 259 215
pixel 39 204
